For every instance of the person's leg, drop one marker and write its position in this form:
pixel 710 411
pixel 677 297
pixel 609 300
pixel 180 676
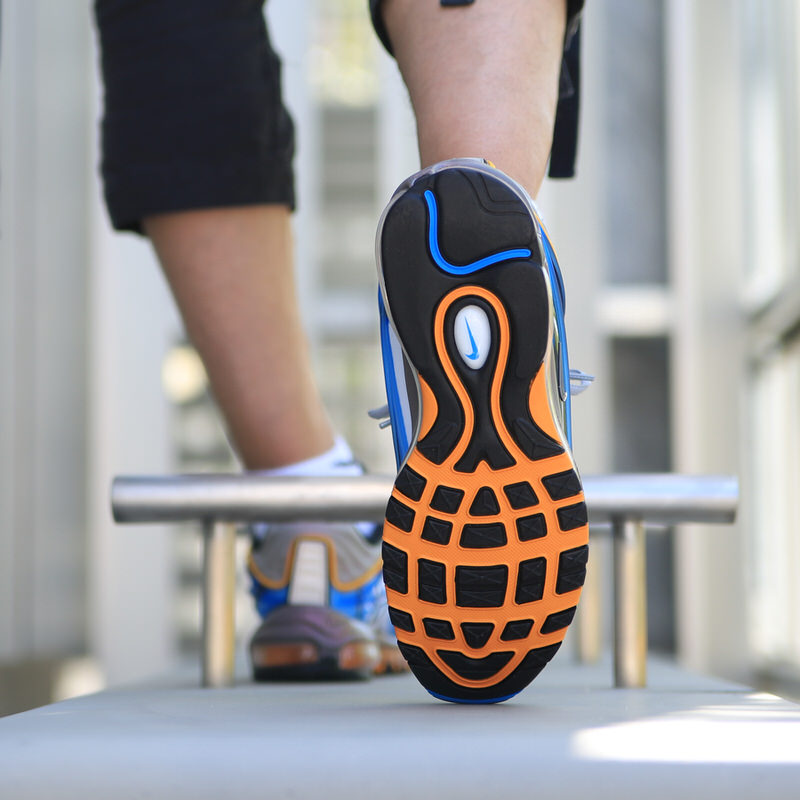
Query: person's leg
pixel 483 79
pixel 197 152
pixel 230 270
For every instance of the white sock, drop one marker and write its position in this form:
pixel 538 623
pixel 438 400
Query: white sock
pixel 339 460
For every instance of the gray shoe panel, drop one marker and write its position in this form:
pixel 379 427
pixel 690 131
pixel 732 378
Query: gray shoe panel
pixel 355 556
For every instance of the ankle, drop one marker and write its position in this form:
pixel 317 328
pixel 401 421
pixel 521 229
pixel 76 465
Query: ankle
pixel 336 460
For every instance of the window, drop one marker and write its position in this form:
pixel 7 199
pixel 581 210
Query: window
pixel 770 108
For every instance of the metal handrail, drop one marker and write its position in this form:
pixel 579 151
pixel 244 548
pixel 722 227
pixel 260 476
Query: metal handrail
pixel 657 498
pixel 218 501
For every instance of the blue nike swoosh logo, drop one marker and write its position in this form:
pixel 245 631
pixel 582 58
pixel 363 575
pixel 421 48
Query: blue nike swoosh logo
pixel 473 356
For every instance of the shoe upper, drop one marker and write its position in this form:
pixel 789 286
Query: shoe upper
pixel 326 564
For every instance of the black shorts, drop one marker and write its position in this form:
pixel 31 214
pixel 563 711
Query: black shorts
pixel 193 111
pixel 193 114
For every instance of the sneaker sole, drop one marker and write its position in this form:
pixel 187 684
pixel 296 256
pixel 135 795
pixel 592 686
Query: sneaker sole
pixel 313 643
pixel 486 536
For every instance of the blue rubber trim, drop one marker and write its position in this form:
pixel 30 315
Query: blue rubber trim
pixel 559 302
pixel 467 269
pixel 399 434
pixel 359 603
pixel 472 702
pixel 267 600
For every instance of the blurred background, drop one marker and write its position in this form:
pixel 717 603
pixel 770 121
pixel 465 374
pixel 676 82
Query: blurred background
pixel 680 247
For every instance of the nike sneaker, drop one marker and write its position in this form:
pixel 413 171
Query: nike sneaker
pixel 321 597
pixel 486 538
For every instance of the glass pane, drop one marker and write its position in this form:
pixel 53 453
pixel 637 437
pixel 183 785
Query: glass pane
pixel 775 511
pixel 634 122
pixel 770 113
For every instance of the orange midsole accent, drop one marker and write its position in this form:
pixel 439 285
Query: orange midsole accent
pixel 539 404
pixel 429 408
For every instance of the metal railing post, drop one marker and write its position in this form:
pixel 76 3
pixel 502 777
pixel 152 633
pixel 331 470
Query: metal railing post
pixel 630 603
pixel 589 622
pixel 219 627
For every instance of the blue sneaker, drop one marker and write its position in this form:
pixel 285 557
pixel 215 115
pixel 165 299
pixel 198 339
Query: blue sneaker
pixel 319 591
pixel 486 535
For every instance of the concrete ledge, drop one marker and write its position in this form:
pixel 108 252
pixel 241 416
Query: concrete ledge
pixel 569 735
